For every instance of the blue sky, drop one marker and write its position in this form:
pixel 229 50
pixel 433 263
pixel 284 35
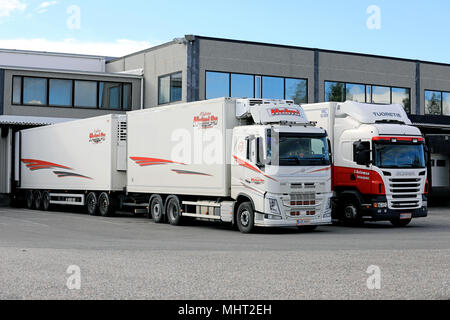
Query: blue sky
pixel 409 29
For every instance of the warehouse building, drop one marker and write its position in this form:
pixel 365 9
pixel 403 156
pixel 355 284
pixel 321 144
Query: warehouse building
pixel 195 68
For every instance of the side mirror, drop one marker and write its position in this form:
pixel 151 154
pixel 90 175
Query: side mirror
pixel 362 153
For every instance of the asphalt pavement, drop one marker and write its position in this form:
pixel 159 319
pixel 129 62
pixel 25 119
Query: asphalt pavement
pixel 128 257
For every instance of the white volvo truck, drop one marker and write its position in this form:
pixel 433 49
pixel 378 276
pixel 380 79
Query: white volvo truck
pixel 379 161
pixel 248 162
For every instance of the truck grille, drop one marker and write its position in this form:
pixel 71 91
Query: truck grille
pixel 405 193
pixel 303 199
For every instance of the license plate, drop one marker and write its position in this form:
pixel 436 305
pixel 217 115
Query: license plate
pixel 303 222
pixel 404 216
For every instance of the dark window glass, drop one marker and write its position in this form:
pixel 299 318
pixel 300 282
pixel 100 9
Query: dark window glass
pixel 217 85
pixel 446 103
pixel 334 91
pixel 433 103
pixel 170 88
pixel 86 94
pixel 175 87
pixel 110 95
pixel 17 90
pixel 35 91
pixel 355 92
pixel 258 87
pixel 297 90
pixel 402 96
pixel 164 90
pixel 381 95
pixel 60 93
pixel 242 86
pixel 369 94
pixel 441 163
pixel 272 88
pixel 126 96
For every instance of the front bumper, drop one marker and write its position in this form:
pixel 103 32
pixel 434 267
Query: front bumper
pixel 375 214
pixel 293 222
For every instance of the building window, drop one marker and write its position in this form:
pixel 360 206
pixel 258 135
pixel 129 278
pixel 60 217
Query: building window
pixel 437 103
pixel 334 91
pixel 85 94
pixel 272 88
pixel 60 93
pixel 110 95
pixel 217 85
pixel 242 85
pixel 402 96
pixel 170 88
pixel 297 90
pixel 34 91
pixel 355 92
pixel 17 90
pixel 341 91
pixel 236 85
pixel 126 104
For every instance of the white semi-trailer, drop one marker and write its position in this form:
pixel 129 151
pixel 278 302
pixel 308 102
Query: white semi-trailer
pixel 77 163
pixel 248 162
pixel 379 167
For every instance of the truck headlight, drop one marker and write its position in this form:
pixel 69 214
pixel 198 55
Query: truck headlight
pixel 274 206
pixel 380 205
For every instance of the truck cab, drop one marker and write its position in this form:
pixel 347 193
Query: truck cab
pixel 379 169
pixel 281 163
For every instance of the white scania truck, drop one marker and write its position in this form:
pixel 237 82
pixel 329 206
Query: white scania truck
pixel 248 162
pixel 379 161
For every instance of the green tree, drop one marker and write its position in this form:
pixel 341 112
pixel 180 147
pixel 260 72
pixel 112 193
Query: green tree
pixel 434 104
pixel 336 91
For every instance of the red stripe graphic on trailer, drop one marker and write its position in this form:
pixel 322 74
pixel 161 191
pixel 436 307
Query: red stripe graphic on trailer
pixel 320 170
pixel 33 165
pixel 62 174
pixel 249 166
pixel 192 173
pixel 143 162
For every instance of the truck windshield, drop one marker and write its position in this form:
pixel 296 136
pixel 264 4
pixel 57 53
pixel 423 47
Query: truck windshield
pixel 388 155
pixel 296 149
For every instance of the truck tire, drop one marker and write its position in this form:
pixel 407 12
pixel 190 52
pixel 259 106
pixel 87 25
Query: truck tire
pixel 400 223
pixel 37 200
pixel 29 200
pixel 92 204
pixel 245 217
pixel 350 213
pixel 46 201
pixel 173 210
pixel 106 205
pixel 156 209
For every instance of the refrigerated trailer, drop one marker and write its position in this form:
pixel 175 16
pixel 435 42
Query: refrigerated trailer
pixel 76 163
pixel 248 162
pixel 379 161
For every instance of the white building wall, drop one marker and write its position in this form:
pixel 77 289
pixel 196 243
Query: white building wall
pixel 43 60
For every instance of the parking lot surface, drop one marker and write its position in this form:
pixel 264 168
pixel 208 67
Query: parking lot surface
pixel 128 257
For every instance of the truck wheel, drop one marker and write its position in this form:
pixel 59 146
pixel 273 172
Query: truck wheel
pixel 46 201
pixel 350 214
pixel 37 200
pixel 29 200
pixel 105 205
pixel 173 211
pixel 245 217
pixel 156 208
pixel 92 204
pixel 401 223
